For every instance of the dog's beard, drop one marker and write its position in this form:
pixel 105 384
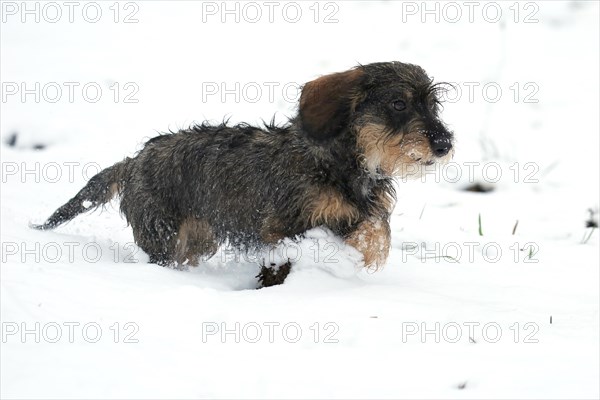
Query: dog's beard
pixel 387 154
pixel 422 164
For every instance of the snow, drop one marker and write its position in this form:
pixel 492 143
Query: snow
pixel 333 329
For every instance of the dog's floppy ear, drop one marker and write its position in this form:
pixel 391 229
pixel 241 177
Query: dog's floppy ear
pixel 327 103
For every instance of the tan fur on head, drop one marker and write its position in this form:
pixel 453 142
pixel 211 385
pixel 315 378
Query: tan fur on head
pixel 391 155
pixel 402 155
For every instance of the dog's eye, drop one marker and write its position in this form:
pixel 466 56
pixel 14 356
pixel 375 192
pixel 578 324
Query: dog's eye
pixel 399 105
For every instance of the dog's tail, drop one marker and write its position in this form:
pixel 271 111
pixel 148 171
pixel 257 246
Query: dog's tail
pixel 99 190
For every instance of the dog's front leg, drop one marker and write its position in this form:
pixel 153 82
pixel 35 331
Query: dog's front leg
pixel 372 238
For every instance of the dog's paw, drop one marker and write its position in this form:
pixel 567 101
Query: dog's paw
pixel 273 274
pixel 372 239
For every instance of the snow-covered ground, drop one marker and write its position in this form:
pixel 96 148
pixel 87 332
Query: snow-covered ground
pixel 466 307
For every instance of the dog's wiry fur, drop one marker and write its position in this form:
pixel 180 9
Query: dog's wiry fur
pixel 187 193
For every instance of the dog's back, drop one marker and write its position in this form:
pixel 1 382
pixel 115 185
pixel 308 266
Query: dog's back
pixel 239 184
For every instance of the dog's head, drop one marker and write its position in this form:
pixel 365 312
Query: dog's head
pixel 390 108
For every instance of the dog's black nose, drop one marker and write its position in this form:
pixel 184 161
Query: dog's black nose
pixel 441 148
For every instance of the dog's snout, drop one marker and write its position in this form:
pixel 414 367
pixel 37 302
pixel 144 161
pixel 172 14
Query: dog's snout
pixel 441 147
